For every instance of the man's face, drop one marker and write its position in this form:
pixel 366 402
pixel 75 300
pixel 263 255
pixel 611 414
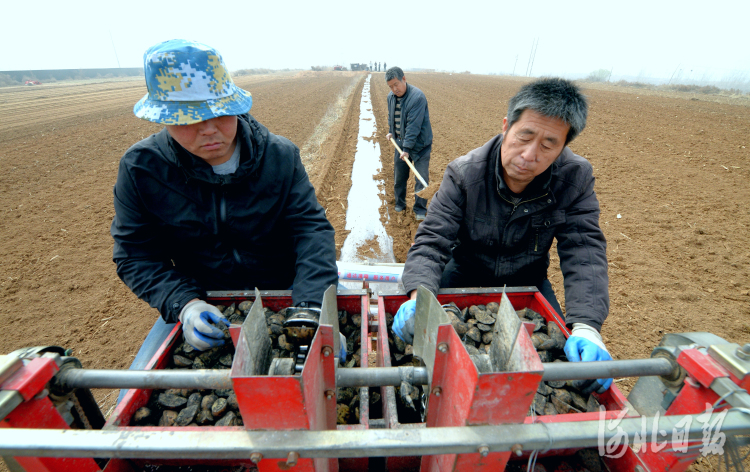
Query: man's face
pixel 529 147
pixel 212 140
pixel 398 87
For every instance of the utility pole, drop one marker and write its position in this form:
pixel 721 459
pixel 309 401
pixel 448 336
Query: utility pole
pixel 528 64
pixel 532 56
pixel 115 49
pixel 514 65
pixel 673 73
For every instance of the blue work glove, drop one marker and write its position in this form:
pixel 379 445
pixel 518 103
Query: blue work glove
pixel 342 352
pixel 584 345
pixel 198 319
pixel 403 323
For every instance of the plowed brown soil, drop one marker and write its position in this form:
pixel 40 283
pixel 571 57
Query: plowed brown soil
pixel 60 158
pixel 676 168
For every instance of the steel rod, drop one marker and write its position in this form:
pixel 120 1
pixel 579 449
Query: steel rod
pixel 368 377
pixel 151 443
pixel 606 369
pixel 145 379
pixel 381 376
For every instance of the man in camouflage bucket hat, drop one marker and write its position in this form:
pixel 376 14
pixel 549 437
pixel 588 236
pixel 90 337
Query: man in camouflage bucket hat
pixel 213 201
pixel 188 83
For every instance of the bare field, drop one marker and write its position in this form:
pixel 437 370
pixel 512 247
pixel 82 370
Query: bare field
pixel 60 148
pixel 677 170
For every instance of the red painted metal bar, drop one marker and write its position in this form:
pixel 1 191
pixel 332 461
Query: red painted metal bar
pixel 695 397
pixel 388 394
pixel 362 308
pixel 37 411
pixel 267 402
pixel 478 399
pixel 613 400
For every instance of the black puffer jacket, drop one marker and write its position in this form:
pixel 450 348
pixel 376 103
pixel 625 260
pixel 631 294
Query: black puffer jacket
pixel 509 243
pixel 180 229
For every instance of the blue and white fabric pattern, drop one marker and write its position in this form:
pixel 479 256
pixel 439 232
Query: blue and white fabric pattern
pixel 188 83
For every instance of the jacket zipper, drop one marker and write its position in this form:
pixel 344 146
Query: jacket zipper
pixel 223 216
pixel 516 205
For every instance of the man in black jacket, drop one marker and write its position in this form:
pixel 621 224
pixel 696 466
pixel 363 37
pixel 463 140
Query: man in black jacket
pixel 409 124
pixel 499 208
pixel 214 201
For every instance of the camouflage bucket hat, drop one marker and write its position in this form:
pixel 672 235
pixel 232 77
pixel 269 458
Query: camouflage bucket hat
pixel 188 83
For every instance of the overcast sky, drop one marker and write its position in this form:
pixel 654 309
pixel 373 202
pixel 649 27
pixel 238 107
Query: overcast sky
pixel 652 38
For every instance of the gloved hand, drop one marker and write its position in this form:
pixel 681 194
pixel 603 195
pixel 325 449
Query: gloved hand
pixel 342 352
pixel 403 323
pixel 199 333
pixel 584 345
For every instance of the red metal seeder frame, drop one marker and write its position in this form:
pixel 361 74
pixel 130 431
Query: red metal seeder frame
pixel 295 402
pixel 459 395
pixel 469 398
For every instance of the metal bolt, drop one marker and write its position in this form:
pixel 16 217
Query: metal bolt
pixel 329 394
pixel 443 347
pixel 744 352
pixel 639 468
pixel 256 457
pixel 291 459
pixel 483 451
pixel 327 351
pixel 517 449
pixel 437 391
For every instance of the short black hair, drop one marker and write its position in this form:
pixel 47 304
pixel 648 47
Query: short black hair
pixel 394 73
pixel 552 97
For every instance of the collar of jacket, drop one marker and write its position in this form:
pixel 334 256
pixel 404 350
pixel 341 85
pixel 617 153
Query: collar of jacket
pixel 408 88
pixel 252 137
pixel 539 186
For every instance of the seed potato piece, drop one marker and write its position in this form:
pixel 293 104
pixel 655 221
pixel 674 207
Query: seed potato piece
pixel 171 401
pixel 219 407
pixel 167 418
pixel 227 420
pixel 186 415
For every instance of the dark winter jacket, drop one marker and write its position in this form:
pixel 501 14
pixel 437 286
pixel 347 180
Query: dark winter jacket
pixel 509 243
pixel 416 131
pixel 180 229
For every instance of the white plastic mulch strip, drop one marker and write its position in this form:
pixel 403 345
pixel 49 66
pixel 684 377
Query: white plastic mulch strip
pixel 363 215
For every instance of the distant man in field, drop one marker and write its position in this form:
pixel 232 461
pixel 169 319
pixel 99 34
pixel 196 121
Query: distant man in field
pixel 213 201
pixel 409 125
pixel 499 208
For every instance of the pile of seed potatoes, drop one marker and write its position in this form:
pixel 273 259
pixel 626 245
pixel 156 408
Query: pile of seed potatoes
pixel 475 325
pixel 182 407
pixel 347 399
pixel 192 407
pixel 409 405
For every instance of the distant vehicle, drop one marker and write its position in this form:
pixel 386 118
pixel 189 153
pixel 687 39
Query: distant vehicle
pixel 338 67
pixel 33 82
pixel 356 66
